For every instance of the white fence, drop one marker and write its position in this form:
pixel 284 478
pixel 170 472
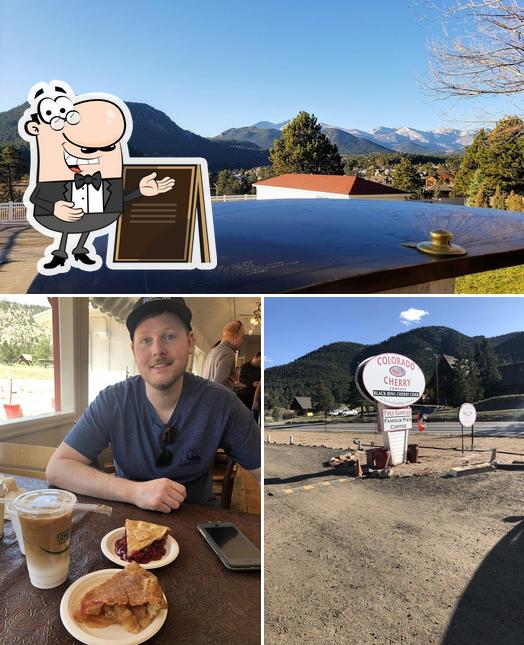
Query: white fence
pixel 232 198
pixel 12 212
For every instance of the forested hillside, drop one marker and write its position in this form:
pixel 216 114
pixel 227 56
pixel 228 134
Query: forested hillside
pixel 333 366
pixel 19 334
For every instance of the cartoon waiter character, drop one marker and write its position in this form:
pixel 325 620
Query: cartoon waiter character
pixel 76 186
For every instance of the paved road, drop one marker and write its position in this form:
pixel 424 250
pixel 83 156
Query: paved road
pixel 482 428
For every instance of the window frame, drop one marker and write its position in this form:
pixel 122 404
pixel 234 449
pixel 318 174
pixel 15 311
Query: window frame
pixel 74 340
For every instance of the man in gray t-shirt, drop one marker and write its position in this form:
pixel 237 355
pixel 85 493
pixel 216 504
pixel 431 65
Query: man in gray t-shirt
pixel 219 365
pixel 164 425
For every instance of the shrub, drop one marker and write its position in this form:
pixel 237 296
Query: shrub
pixel 515 202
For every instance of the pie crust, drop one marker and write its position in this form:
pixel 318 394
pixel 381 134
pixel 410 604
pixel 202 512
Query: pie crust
pixel 131 598
pixel 140 534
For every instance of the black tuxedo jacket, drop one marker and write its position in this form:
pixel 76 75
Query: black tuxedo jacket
pixel 47 193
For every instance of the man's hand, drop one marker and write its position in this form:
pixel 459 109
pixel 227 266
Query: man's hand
pixel 149 186
pixel 67 212
pixel 159 495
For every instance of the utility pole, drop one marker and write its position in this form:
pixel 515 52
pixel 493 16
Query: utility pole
pixel 437 356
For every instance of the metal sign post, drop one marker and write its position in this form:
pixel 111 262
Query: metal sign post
pixel 467 418
pixel 462 434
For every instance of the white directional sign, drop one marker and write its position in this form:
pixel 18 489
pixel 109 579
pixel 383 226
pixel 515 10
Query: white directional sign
pixel 397 419
pixel 467 415
pixel 393 379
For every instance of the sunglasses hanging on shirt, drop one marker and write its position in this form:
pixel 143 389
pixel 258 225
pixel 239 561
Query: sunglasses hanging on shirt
pixel 166 456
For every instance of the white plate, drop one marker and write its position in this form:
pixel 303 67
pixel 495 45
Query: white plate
pixel 112 635
pixel 108 549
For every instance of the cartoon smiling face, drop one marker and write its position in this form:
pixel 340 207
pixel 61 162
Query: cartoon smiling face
pixel 81 137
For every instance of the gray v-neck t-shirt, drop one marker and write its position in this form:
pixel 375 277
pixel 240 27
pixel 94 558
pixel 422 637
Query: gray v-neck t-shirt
pixel 208 416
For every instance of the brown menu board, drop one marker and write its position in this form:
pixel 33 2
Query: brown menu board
pixel 162 228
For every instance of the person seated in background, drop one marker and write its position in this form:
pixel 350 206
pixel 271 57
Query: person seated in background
pixel 250 375
pixel 164 425
pixel 219 365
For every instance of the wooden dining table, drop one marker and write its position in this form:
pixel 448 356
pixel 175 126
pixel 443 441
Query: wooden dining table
pixel 207 603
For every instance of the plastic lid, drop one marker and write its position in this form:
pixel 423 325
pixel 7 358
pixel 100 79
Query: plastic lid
pixel 43 502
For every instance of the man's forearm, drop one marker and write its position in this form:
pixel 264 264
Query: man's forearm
pixel 86 480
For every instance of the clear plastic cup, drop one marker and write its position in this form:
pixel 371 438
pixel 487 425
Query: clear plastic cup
pixel 45 518
pixel 16 526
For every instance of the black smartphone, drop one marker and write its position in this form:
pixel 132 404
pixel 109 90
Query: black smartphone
pixel 233 548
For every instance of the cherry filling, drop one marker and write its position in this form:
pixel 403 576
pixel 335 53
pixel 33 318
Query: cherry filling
pixel 154 551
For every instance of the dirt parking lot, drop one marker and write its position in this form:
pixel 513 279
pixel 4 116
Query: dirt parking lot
pixel 437 454
pixel 417 560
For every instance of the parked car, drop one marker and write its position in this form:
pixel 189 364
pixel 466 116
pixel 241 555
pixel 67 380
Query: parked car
pixel 349 413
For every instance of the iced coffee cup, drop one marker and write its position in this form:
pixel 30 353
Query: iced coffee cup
pixel 45 518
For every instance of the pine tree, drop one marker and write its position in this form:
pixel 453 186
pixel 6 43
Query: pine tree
pixel 460 385
pixel 498 200
pixel 470 163
pixel 481 198
pixel 11 167
pixel 228 184
pixel 405 177
pixel 303 148
pixel 497 157
pixel 476 195
pixel 323 398
pixel 486 360
pixel 503 163
pixel 514 202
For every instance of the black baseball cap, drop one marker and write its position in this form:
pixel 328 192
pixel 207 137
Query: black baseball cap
pixel 145 307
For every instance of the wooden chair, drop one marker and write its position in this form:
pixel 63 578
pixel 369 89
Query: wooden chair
pixel 224 471
pixel 104 461
pixel 24 460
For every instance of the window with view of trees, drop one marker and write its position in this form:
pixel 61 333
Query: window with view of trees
pixel 27 362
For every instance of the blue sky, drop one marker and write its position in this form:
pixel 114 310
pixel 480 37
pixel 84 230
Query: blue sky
pixel 295 326
pixel 214 65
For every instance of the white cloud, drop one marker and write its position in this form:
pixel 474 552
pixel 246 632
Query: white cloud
pixel 268 360
pixel 412 316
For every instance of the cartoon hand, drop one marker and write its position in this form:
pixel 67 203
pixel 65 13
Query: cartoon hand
pixel 149 187
pixel 67 212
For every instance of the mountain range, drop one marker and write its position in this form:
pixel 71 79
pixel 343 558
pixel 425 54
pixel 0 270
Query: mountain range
pixel 156 135
pixel 334 365
pixel 357 142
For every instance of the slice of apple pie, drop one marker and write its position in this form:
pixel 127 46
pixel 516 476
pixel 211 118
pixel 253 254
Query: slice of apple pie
pixel 132 597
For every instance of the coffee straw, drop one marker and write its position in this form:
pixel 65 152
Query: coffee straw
pixel 95 508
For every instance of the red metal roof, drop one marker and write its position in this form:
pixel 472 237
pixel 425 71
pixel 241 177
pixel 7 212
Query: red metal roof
pixel 341 184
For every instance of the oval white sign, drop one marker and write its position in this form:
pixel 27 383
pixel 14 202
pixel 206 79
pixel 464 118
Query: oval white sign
pixel 467 415
pixel 393 379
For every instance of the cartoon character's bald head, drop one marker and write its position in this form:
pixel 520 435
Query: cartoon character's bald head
pixel 75 135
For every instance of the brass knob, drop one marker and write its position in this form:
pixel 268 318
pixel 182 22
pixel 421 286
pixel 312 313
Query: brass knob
pixel 440 244
pixel 441 237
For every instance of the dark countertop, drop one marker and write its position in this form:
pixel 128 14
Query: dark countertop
pixel 320 246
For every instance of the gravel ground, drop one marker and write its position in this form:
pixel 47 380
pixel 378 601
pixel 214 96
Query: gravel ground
pixel 417 560
pixel 437 454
